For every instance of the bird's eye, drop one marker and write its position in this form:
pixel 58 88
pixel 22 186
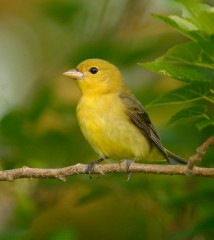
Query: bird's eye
pixel 93 70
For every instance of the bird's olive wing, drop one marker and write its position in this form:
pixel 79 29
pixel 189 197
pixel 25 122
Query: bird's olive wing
pixel 141 119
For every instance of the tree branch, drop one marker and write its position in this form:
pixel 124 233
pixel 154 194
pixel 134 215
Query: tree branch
pixel 200 151
pixel 63 173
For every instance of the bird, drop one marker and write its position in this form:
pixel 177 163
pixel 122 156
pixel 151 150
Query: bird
pixel 111 118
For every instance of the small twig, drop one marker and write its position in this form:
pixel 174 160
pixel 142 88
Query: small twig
pixel 200 151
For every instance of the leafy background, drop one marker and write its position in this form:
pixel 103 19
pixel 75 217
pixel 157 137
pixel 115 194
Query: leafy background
pixel 41 39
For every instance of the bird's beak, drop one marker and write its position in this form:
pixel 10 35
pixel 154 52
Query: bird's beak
pixel 73 73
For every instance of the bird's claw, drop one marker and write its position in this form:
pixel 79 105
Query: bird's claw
pixel 90 166
pixel 128 163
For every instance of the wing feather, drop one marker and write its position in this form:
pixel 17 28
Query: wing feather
pixel 140 118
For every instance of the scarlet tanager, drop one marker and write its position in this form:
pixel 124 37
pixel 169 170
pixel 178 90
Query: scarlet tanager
pixel 112 120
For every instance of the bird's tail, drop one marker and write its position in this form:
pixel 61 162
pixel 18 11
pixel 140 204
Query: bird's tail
pixel 175 159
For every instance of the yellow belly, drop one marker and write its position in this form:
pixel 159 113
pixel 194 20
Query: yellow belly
pixel 110 132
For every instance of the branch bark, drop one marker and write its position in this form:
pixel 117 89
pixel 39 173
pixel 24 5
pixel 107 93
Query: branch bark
pixel 200 152
pixel 63 173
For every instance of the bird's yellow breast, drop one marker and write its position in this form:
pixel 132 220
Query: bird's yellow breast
pixel 107 127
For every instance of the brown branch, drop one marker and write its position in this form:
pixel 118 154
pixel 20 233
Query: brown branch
pixel 200 151
pixel 63 173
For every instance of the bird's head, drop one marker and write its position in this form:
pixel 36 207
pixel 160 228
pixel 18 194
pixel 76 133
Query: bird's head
pixel 96 76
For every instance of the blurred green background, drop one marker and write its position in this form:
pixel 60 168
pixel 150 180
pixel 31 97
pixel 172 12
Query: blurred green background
pixel 39 40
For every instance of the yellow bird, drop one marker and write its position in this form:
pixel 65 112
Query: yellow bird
pixel 112 120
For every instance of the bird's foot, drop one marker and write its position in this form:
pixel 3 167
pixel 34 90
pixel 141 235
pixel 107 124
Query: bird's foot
pixel 90 166
pixel 128 163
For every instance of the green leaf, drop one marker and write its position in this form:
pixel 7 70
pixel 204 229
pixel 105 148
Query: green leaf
pixel 196 23
pixel 191 54
pixel 184 26
pixel 186 62
pixel 207 46
pixel 206 123
pixel 207 20
pixel 189 112
pixel 187 93
pixel 179 71
pixel 193 61
pixel 202 15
